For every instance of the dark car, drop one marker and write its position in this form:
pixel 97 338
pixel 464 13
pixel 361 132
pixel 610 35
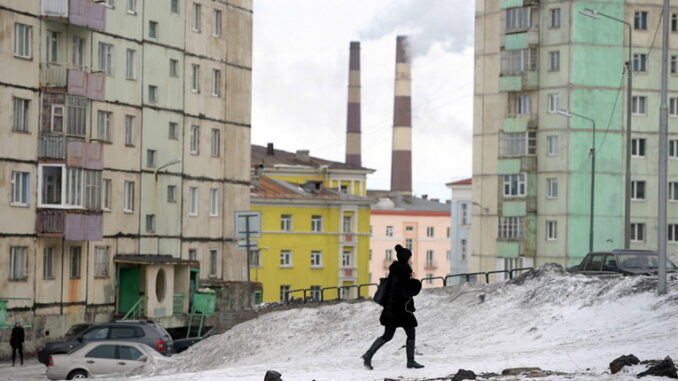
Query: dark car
pixel 626 262
pixel 140 331
pixel 183 343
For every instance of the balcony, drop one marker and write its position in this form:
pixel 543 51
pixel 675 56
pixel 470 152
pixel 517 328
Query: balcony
pixel 52 147
pixel 71 226
pixel 50 222
pixel 520 123
pixel 528 80
pixel 73 78
pixel 78 12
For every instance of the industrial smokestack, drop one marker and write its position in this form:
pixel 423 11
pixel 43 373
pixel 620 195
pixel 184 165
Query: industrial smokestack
pixel 401 159
pixel 353 111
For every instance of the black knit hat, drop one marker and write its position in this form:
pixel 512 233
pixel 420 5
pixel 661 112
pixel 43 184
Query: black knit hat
pixel 402 254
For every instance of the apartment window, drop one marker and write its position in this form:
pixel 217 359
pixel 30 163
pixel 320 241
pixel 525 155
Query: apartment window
pixel 673 191
pixel 173 133
pixel 388 255
pixel 463 248
pixel 552 145
pixel 17 262
pixel 255 258
pixel 173 67
pixel 514 185
pixel 195 78
pixel 316 223
pixel 510 228
pixel 128 201
pixel 555 17
pixel 346 258
pixel 21 188
pixel 48 263
pixel 285 292
pixel 551 230
pixel 193 201
pixel 674 64
pixel 430 258
pixel 517 18
pixel 430 231
pixel 409 228
pixel 523 104
pixel 316 258
pixel 674 22
pixel 106 194
pixel 197 9
pixel 63 186
pixel 673 233
pixel 214 202
pixel 673 149
pixel 554 60
pixel 192 254
pixel 51 184
pixel 514 62
pixel 171 193
pixel 554 103
pixel 464 216
pixel 640 62
pixel 640 20
pixel 75 261
pixel 213 262
pixel 216 23
pixel 132 6
pixel 639 105
pixel 343 188
pixel 106 58
pixel 76 109
pixel 216 82
pixel 150 158
pixel 20 116
pixel 129 130
pixel 101 261
pixel 57 118
pixel 153 29
pixel 215 143
pixel 152 93
pixel 637 232
pixel 389 231
pixel 92 197
pixel 195 139
pixel 638 190
pixel 408 243
pixel 348 224
pixel 552 185
pixel 78 58
pixel 52 46
pixel 22 40
pixel 285 258
pixel 638 147
pixel 673 107
pixel 104 125
pixel 518 144
pixel 174 6
pixel 286 222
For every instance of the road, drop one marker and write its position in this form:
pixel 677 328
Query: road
pixel 30 371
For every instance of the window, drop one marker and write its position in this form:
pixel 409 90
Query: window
pixel 173 67
pixel 106 194
pixel 21 190
pixel 409 228
pixel 255 258
pixel 640 20
pixel 346 258
pixel 673 191
pixel 639 105
pixel 193 201
pixel 195 139
pixel 523 104
pixel 132 6
pixel 637 232
pixel 76 122
pixel 215 146
pixel 128 202
pixel 48 263
pixel 447 231
pixel 552 145
pixel 430 259
pixel 129 130
pixel 214 202
pixel 673 233
pixel 101 261
pixel 213 262
pixel 63 186
pixel 174 6
pixel 673 107
pixel 195 78
pixel 285 292
pixel 554 60
pixel 173 131
pixel 348 224
pixel 153 29
pixel 316 258
pixel 104 125
pixel 430 231
pixel 514 62
pixel 510 228
pixel 92 189
pixel 216 82
pixel 517 18
pixel 192 254
pixel 106 58
pixel 57 118
pixel 463 248
pixel 197 9
pixel 551 230
pixel 673 149
pixel 555 18
pixel 171 193
pixel 640 62
pixel 286 222
pixel 389 231
pixel 518 144
pixel 638 190
pixel 152 93
pixel 150 158
pixel 20 117
pixel 75 262
pixel 553 103
pixel 464 215
pixel 552 186
pixel 285 258
pixel 52 46
pixel 78 58
pixel 216 23
pixel 408 243
pixel 674 22
pixel 17 262
pixel 316 223
pixel 343 188
pixel 674 64
pixel 126 352
pixel 638 147
pixel 22 40
pixel 388 255
pixel 514 185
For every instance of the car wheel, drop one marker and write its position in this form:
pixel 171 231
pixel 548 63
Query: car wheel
pixel 77 374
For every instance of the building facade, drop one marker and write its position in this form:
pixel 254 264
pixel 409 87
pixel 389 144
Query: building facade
pixel 532 166
pixel 124 151
pixel 460 234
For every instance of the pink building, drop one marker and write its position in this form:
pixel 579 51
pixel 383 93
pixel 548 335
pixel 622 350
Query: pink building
pixel 420 224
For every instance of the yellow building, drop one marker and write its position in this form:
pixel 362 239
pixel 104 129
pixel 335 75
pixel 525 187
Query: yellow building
pixel 315 226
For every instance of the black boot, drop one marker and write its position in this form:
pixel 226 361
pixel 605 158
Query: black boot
pixel 409 346
pixel 367 357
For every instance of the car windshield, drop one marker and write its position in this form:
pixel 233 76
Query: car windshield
pixel 642 261
pixel 76 329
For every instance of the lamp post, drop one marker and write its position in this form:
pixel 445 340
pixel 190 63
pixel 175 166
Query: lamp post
pixel 629 107
pixel 570 114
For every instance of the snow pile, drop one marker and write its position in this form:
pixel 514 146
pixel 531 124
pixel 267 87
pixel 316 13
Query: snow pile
pixel 546 318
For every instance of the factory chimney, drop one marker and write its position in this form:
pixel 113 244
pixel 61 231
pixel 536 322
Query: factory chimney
pixel 353 143
pixel 401 158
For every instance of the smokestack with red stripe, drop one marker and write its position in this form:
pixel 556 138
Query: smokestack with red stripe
pixel 401 159
pixel 353 113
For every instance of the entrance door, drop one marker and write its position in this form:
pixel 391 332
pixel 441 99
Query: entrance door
pixel 192 286
pixel 129 289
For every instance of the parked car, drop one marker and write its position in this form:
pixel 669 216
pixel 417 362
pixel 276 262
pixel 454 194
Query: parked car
pixel 76 329
pixel 99 358
pixel 626 262
pixel 184 343
pixel 140 331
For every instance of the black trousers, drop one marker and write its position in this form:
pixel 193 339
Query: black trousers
pixel 390 330
pixel 19 347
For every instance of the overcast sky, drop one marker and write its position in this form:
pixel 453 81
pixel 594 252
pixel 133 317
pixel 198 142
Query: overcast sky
pixel 300 80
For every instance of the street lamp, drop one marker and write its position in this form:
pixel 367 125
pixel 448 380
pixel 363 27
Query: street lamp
pixel 629 106
pixel 570 114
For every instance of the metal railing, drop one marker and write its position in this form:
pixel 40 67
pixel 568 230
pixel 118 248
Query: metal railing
pixel 52 147
pixel 137 311
pixel 178 304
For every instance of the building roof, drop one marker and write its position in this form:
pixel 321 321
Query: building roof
pixel 461 182
pixel 270 188
pixel 260 156
pixel 390 203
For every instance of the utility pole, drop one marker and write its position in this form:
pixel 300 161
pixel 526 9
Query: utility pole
pixel 663 142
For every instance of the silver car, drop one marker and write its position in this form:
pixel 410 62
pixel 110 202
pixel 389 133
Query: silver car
pixel 98 358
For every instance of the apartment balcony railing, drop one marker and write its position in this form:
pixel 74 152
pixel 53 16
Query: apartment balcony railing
pixel 74 78
pixel 528 80
pixel 54 8
pixel 73 226
pixel 85 13
pixel 52 147
pixel 50 222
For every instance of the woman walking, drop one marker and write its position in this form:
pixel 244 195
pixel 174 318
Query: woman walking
pixel 398 308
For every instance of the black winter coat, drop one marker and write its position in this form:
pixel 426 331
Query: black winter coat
pixel 17 337
pixel 399 308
